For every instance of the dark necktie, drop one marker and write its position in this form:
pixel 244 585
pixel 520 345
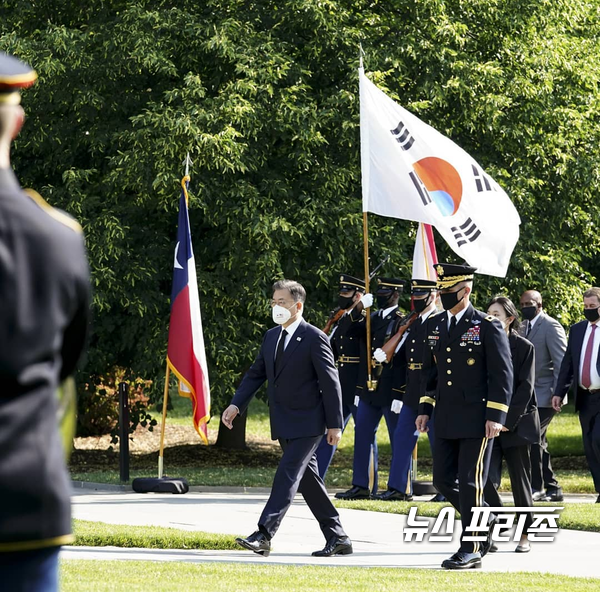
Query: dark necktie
pixel 528 329
pixel 280 348
pixel 586 379
pixel 452 325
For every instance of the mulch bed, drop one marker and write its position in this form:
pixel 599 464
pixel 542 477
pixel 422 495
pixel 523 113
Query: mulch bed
pixel 183 448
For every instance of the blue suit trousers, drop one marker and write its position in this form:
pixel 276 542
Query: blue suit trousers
pixel 403 445
pixel 365 439
pixel 297 471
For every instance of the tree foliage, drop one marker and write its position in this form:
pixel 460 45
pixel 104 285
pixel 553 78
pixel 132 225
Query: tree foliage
pixel 264 96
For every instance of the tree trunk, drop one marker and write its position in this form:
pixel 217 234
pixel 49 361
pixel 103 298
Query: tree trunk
pixel 234 438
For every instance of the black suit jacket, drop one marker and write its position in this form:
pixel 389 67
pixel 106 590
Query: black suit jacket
pixel 468 375
pixel 569 369
pixel 382 328
pixel 44 291
pixel 522 420
pixel 347 344
pixel 304 396
pixel 408 362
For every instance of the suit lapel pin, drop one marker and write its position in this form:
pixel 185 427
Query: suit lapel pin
pixel 298 338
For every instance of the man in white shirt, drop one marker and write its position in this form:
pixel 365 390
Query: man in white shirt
pixel 580 369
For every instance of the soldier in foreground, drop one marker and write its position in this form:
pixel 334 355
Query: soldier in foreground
pixel 468 376
pixel 44 290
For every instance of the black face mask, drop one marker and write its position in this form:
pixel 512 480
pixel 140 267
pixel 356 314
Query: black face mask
pixel 529 312
pixel 421 304
pixel 451 299
pixel 383 302
pixel 591 314
pixel 345 302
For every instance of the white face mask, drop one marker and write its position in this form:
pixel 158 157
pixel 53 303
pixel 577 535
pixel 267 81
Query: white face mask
pixel 281 315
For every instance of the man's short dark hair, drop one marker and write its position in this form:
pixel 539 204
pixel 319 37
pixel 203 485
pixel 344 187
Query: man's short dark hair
pixel 591 292
pixel 295 289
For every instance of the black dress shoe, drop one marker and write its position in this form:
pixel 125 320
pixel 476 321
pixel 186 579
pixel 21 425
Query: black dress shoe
pixel 493 548
pixel 354 493
pixel 463 560
pixel 486 546
pixel 256 542
pixel 554 495
pixel 335 546
pixel 598 500
pixel 393 495
pixel 438 497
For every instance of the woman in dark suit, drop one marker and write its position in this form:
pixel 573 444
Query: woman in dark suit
pixel 522 422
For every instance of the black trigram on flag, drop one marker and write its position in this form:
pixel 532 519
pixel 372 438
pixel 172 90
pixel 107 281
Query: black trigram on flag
pixel 421 189
pixel 466 232
pixel 482 181
pixel 403 136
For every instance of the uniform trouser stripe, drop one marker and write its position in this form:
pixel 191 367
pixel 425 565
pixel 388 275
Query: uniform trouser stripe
pixel 479 484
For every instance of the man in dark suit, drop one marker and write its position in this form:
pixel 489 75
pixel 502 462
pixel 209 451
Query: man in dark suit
pixel 346 341
pixel 375 400
pixel 44 291
pixel 305 401
pixel 581 366
pixel 468 376
pixel 550 342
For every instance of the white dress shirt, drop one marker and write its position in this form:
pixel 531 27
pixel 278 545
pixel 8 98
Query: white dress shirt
pixel 459 315
pixel 594 377
pixel 290 332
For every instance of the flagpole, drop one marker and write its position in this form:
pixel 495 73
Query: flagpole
pixel 164 419
pixel 371 385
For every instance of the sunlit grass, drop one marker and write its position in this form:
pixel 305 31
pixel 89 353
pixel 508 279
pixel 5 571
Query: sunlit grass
pixel 142 576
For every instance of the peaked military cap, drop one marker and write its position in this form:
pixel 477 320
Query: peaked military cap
pixel 14 75
pixel 450 274
pixel 390 284
pixel 347 282
pixel 422 286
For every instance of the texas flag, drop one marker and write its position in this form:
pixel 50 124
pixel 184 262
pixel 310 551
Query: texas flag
pixel 413 172
pixel 185 353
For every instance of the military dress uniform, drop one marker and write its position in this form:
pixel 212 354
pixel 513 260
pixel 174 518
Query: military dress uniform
pixel 374 404
pixel 346 342
pixel 468 376
pixel 44 290
pixel 408 363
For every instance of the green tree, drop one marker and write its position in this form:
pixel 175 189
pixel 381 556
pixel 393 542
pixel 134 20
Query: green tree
pixel 264 96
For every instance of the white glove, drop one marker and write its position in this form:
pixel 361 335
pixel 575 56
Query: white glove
pixel 396 406
pixel 380 356
pixel 367 300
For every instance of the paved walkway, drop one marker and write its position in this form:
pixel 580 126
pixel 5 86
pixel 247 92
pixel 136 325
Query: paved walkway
pixel 376 537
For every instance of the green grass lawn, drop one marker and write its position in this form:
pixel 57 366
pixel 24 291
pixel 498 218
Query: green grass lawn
pixel 564 440
pixel 564 434
pixel 573 516
pixel 142 576
pixel 99 534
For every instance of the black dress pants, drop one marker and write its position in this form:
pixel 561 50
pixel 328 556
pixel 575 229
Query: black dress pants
pixel 469 458
pixel 589 419
pixel 519 470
